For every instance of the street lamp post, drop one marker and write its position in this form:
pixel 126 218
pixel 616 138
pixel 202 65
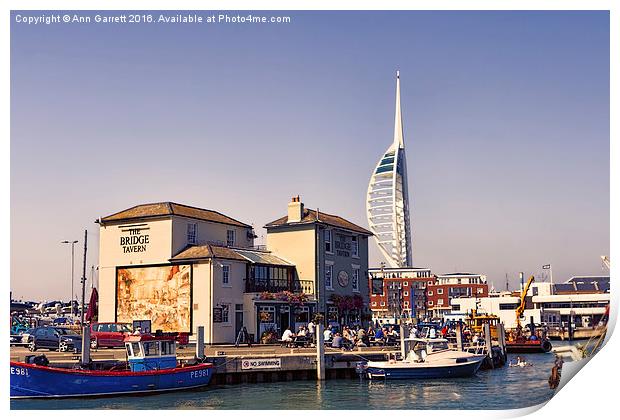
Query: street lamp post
pixel 72 270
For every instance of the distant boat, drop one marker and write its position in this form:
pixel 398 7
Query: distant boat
pixel 153 367
pixel 426 358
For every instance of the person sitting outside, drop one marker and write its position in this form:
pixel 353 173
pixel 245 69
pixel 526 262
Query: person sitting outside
pixel 327 334
pixel 287 337
pixel 362 339
pixel 338 342
pixel 432 333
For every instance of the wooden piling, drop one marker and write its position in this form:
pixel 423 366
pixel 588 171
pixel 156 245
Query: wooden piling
pixel 459 336
pixel 200 343
pixel 489 344
pixel 320 352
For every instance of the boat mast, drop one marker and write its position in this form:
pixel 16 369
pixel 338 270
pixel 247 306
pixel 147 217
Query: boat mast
pixel 84 279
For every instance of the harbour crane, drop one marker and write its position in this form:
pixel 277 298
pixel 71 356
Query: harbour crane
pixel 605 260
pixel 521 307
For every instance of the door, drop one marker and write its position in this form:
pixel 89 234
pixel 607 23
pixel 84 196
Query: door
pixel 285 319
pixel 238 319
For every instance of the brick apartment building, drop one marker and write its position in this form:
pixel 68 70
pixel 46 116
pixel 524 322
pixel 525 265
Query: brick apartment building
pixel 453 285
pixel 398 292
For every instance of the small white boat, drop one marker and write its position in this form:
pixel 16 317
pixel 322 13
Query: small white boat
pixel 426 358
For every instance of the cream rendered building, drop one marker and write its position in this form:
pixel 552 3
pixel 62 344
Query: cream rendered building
pixel 143 245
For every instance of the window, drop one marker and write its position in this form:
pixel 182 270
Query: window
pixel 406 303
pixel 430 293
pixel 329 271
pixel 382 303
pixel 355 284
pixel 405 293
pixel 328 241
pixel 355 247
pixel 439 301
pixel 440 291
pixel 225 309
pixel 480 290
pixel 191 233
pixel 456 307
pixel 430 303
pixel 507 306
pixel 226 275
pixel 230 238
pixel 406 283
pixel 374 304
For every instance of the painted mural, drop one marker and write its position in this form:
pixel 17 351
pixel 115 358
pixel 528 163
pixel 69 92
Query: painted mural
pixel 161 294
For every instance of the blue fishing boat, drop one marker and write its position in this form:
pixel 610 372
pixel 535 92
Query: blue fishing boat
pixel 152 366
pixel 425 358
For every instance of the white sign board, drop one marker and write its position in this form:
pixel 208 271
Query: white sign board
pixel 261 364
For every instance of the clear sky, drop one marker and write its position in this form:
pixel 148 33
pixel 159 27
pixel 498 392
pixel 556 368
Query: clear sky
pixel 506 118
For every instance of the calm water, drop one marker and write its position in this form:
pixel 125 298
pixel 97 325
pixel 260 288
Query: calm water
pixel 492 389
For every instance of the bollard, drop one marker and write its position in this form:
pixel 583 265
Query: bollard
pixel 200 343
pixel 86 344
pixel 320 352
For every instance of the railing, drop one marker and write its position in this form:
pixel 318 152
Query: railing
pixel 276 285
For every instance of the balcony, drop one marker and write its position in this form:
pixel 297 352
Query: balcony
pixel 276 285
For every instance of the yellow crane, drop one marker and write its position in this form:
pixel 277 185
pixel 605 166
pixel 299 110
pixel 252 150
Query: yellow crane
pixel 521 308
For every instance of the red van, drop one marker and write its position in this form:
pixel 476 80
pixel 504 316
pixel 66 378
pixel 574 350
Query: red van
pixel 108 334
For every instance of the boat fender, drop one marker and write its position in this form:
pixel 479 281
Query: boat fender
pixel 546 346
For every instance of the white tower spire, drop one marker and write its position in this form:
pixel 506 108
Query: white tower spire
pixel 387 201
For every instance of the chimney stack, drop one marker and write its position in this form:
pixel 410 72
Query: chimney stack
pixel 295 210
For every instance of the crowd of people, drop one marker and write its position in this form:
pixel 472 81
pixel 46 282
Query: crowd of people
pixel 346 338
pixel 349 337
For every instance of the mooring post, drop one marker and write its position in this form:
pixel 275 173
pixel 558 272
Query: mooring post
pixel 459 336
pixel 489 344
pixel 402 340
pixel 85 344
pixel 200 343
pixel 501 336
pixel 320 352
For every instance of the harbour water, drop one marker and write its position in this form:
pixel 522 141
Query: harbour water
pixel 503 388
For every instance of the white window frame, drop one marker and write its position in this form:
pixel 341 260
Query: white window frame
pixel 355 247
pixel 329 267
pixel 330 242
pixel 374 303
pixel 355 278
pixel 440 291
pixel 226 275
pixel 382 303
pixel 405 293
pixel 234 237
pixel 228 321
pixel 191 241
pixel 440 302
pixel 405 283
pixel 430 293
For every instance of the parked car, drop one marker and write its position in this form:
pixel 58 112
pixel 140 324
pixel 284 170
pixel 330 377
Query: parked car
pixel 108 334
pixel 55 338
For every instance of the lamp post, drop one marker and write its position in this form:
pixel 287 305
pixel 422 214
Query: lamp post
pixel 72 246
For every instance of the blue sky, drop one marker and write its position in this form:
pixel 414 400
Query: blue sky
pixel 506 118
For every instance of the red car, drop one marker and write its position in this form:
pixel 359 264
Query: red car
pixel 108 334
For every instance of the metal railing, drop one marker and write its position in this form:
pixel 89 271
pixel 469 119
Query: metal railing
pixel 278 285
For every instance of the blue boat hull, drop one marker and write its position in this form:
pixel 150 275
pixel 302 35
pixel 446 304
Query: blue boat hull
pixel 453 371
pixel 33 381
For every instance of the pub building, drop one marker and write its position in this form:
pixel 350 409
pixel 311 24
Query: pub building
pixel 330 254
pixel 182 267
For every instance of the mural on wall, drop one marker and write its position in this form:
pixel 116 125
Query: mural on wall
pixel 161 294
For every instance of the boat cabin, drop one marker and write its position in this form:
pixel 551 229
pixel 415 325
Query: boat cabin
pixel 147 352
pixel 417 349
